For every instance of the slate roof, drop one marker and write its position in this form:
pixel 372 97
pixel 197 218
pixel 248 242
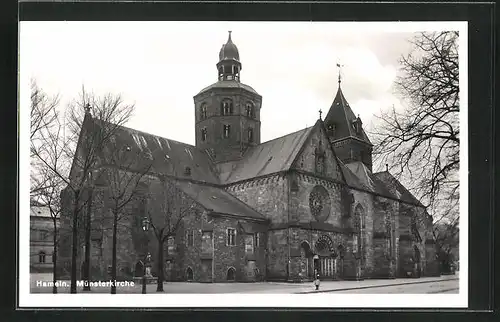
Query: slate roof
pixel 40 211
pixel 350 178
pixel 389 181
pixel 229 84
pixel 269 157
pixel 166 156
pixel 218 200
pixel 342 116
pixel 369 180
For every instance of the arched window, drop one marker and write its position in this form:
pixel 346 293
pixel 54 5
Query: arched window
pixel 249 110
pixel 250 135
pixel 358 225
pixel 203 111
pixel 227 107
pixel 416 256
pixel 41 257
pixel 203 134
pixel 189 274
pixel 231 274
pixel 226 131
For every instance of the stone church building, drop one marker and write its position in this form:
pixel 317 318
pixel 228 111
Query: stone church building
pixel 277 210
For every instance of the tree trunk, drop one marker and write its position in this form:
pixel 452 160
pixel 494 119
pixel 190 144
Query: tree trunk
pixel 86 267
pixel 54 257
pixel 159 287
pixel 113 263
pixel 74 250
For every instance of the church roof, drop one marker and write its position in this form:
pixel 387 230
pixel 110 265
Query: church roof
pixel 392 183
pixel 343 117
pixel 167 157
pixel 269 157
pixel 369 180
pixel 218 200
pixel 228 84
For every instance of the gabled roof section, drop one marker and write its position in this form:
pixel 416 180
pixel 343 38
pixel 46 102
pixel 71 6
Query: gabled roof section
pixel 269 157
pixel 166 157
pixel 343 117
pixel 218 200
pixel 392 183
pixel 350 178
pixel 369 180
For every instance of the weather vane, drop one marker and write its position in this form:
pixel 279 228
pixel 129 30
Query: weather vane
pixel 339 66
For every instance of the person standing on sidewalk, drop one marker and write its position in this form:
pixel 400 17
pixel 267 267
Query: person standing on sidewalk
pixel 316 279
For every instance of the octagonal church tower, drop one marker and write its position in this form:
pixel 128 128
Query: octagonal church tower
pixel 227 113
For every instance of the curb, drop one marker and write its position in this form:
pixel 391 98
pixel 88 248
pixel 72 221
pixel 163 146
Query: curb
pixel 374 286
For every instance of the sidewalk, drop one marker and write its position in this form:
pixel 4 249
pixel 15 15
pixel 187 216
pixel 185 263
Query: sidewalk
pixel 254 288
pixel 335 286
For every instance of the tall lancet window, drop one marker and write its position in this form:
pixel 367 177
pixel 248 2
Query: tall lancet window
pixel 250 135
pixel 204 134
pixel 319 154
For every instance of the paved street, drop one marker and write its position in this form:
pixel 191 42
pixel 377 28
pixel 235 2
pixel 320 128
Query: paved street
pixel 443 284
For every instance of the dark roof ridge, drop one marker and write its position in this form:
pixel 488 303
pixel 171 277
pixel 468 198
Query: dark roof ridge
pixel 283 136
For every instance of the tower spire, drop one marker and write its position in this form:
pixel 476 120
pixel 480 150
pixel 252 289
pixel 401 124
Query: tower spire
pixel 229 65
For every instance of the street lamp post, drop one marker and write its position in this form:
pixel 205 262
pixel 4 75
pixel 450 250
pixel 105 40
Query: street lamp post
pixel 145 229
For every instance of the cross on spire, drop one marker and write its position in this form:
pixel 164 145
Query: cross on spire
pixel 87 108
pixel 320 112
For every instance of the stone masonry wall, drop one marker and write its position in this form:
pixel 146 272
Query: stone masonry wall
pixel 267 195
pixel 299 200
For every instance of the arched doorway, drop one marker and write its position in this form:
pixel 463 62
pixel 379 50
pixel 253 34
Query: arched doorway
pixel 326 253
pixel 231 274
pixel 306 263
pixel 189 274
pixel 139 269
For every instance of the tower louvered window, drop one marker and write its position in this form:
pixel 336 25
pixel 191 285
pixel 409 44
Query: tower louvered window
pixel 249 109
pixel 227 107
pixel 203 111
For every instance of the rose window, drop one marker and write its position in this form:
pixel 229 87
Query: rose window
pixel 319 203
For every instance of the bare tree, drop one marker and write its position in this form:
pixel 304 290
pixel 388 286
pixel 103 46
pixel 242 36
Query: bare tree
pixel 124 168
pixel 43 108
pixel 50 197
pixel 421 143
pixel 92 121
pixel 446 235
pixel 167 210
pixel 48 159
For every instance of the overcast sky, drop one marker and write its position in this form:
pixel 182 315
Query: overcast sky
pixel 161 65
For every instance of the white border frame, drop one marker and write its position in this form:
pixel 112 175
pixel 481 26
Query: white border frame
pixel 319 300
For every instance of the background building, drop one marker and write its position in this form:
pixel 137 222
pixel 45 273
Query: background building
pixel 278 210
pixel 41 238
